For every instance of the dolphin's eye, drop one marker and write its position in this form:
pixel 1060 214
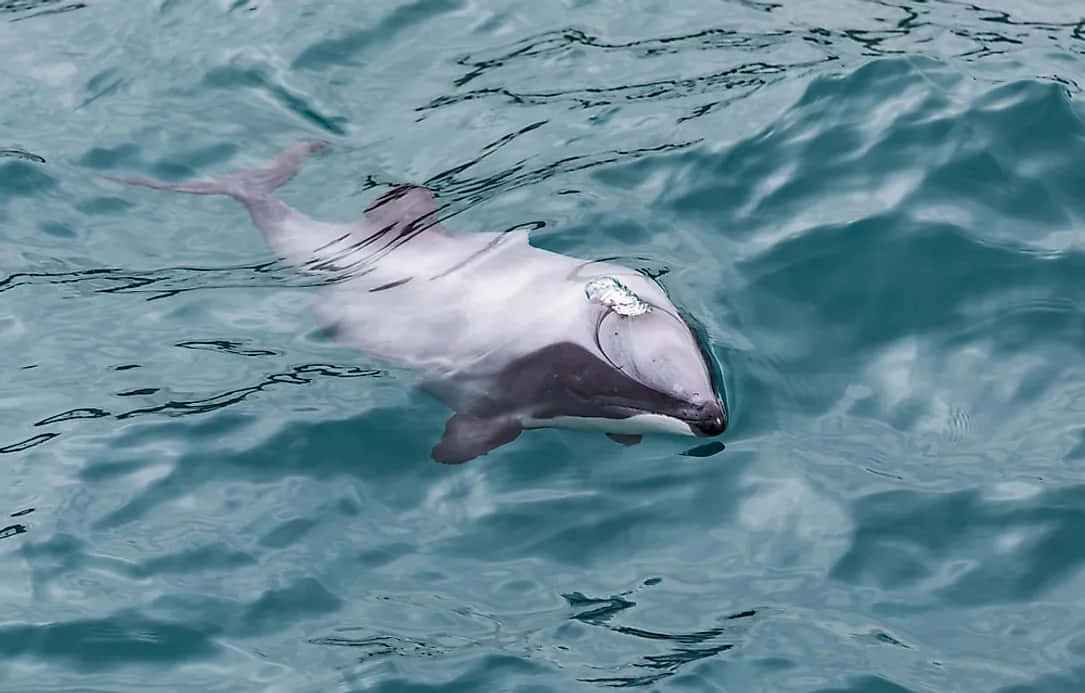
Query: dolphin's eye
pixel 616 296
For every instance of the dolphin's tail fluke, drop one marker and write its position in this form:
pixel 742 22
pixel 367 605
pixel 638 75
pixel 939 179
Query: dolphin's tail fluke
pixel 246 185
pixel 276 220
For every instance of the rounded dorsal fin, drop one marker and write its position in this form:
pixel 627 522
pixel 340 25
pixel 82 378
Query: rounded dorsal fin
pixel 404 207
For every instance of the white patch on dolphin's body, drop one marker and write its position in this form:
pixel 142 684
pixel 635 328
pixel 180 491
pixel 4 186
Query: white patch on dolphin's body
pixel 632 425
pixel 509 336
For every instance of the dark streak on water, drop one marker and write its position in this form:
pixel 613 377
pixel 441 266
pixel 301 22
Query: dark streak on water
pixel 38 8
pixel 28 443
pixel 12 530
pixel 20 154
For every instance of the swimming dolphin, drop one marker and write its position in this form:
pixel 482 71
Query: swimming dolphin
pixel 509 336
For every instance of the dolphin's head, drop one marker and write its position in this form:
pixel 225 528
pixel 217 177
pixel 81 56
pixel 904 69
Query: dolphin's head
pixel 641 333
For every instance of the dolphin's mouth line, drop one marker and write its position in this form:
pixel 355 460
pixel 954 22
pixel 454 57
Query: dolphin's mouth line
pixel 707 425
pixel 634 411
pixel 628 409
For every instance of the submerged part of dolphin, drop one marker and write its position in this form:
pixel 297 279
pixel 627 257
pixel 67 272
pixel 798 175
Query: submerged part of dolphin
pixel 509 336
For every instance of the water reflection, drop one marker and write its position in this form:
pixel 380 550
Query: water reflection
pixel 1010 549
pixel 680 648
pixel 641 656
pixel 971 31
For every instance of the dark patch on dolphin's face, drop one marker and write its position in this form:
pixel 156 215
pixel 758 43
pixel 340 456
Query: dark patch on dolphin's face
pixel 567 380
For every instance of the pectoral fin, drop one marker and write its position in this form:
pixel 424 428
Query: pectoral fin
pixel 467 437
pixel 625 438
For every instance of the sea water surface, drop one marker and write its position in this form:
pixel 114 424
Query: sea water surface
pixel 874 209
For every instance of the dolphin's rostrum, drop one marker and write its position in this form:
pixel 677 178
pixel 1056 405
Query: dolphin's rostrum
pixel 509 336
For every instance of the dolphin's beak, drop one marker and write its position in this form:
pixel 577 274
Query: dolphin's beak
pixel 711 420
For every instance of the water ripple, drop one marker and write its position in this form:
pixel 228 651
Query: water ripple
pixel 662 654
pixel 16 153
pixel 297 375
pixel 748 76
pixel 38 8
pixel 170 281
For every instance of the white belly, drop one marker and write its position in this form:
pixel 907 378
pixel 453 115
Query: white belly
pixel 640 423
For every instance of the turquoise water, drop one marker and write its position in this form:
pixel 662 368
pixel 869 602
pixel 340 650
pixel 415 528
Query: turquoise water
pixel 873 209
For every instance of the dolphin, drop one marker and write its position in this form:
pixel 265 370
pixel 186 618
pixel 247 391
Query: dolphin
pixel 507 335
